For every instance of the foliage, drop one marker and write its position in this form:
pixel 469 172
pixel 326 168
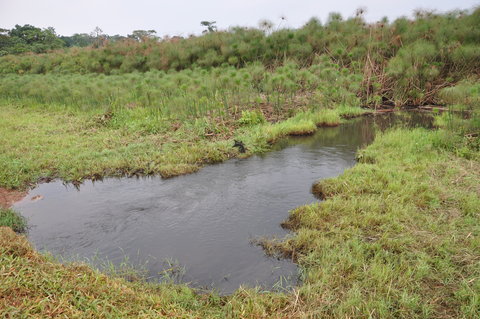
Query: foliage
pixel 28 38
pixel 210 25
pixel 221 92
pixel 78 40
pixel 251 118
pixel 402 62
pixel 462 121
pixel 143 35
pixel 77 144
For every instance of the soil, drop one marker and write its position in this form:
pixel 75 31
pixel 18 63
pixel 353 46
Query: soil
pixel 8 197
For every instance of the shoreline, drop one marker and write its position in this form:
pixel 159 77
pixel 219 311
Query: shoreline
pixel 10 197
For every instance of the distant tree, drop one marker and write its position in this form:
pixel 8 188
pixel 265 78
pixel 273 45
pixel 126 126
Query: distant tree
pixel 29 38
pixel 97 32
pixel 78 40
pixel 143 35
pixel 4 41
pixel 116 37
pixel 210 25
pixel 99 37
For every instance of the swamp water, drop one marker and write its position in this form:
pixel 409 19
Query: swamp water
pixel 198 228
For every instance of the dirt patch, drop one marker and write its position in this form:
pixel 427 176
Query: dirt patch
pixel 8 197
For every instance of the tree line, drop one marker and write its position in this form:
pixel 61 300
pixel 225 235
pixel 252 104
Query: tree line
pixel 28 38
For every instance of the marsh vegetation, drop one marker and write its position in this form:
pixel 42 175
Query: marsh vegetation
pixel 396 236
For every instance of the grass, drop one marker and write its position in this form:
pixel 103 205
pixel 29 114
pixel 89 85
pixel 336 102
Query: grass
pixel 35 286
pixel 10 218
pixel 397 237
pixel 39 143
pixel 73 126
pixel 222 92
pixel 405 61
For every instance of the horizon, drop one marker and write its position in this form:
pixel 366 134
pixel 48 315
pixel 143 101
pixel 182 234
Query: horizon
pixel 123 17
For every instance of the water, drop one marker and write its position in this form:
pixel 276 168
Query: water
pixel 203 222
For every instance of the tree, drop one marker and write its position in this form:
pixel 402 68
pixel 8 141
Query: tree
pixel 143 35
pixel 29 38
pixel 100 38
pixel 210 25
pixel 4 42
pixel 78 40
pixel 97 32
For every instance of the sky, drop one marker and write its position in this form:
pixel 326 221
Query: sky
pixel 182 17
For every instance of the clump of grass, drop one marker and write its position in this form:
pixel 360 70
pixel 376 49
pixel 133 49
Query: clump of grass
pixel 12 219
pixel 172 170
pixel 327 118
pixel 347 112
pixel 301 127
pixel 251 118
pixel 461 123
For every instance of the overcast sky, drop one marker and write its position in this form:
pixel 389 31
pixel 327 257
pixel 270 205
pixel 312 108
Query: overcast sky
pixel 182 17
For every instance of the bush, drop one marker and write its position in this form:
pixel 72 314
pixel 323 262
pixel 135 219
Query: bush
pixel 251 118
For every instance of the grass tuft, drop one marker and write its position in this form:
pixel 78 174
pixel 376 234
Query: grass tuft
pixel 12 219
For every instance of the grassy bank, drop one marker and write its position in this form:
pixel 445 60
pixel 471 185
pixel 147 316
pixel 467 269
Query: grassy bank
pixel 74 126
pixel 397 237
pixel 39 142
pixel 10 218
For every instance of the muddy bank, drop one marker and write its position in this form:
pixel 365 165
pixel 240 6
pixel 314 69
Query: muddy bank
pixel 9 196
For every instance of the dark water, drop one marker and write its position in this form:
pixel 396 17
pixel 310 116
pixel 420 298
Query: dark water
pixel 203 222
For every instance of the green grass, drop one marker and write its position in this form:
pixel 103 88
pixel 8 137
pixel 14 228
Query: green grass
pixel 38 142
pixel 221 93
pixel 404 61
pixel 10 218
pixel 34 286
pixel 398 236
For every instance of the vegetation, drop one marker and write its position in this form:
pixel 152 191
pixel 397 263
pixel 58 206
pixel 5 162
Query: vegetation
pixel 221 92
pixel 28 38
pixel 402 62
pixel 39 144
pixel 397 236
pixel 89 126
pixel 10 218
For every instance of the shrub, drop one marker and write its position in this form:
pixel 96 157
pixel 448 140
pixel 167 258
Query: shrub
pixel 251 118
